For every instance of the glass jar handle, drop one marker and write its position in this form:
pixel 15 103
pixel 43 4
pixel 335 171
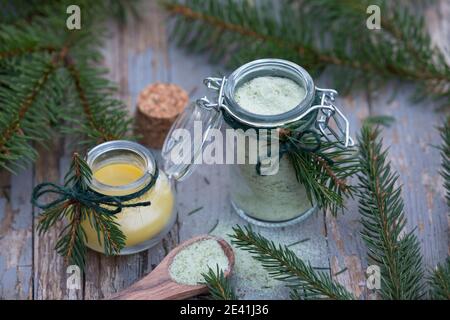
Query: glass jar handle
pixel 327 111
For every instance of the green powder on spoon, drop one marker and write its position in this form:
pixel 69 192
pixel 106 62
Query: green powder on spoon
pixel 190 263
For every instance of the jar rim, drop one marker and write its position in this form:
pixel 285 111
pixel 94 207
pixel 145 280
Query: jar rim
pixel 268 67
pixel 139 150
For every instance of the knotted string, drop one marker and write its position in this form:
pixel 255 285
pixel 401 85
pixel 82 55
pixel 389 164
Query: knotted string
pixel 88 197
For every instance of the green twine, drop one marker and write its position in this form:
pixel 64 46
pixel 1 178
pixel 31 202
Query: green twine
pixel 88 197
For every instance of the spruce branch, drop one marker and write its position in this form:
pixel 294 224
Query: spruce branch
pixel 26 112
pixel 325 172
pixel 216 17
pixel 88 112
pixel 284 265
pixel 380 120
pixel 14 126
pixel 402 48
pixel 22 51
pixel 337 39
pixel 72 240
pixel 445 155
pixel 49 80
pixel 439 282
pixel 23 11
pixel 218 285
pixel 395 251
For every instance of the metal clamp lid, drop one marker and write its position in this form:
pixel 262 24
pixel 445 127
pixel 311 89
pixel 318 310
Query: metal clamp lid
pixel 329 114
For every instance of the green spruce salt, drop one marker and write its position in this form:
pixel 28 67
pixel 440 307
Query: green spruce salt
pixel 269 95
pixel 273 198
pixel 190 263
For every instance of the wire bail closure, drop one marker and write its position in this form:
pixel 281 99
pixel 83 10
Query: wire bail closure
pixel 327 111
pixel 216 84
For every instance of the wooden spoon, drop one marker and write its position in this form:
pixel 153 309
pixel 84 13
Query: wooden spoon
pixel 158 285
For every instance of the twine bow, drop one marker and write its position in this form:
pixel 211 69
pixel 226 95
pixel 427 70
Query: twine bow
pixel 89 198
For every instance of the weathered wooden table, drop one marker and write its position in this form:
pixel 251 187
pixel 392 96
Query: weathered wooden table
pixel 140 53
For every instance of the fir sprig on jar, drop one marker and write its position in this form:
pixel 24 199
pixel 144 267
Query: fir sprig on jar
pixel 72 240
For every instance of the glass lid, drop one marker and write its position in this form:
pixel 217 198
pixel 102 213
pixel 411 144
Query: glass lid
pixel 188 137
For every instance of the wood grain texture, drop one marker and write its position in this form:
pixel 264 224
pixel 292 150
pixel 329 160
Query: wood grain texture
pixel 16 235
pixel 346 250
pixel 141 53
pixel 49 268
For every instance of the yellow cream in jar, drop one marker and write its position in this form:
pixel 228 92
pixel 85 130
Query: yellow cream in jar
pixel 118 174
pixel 140 223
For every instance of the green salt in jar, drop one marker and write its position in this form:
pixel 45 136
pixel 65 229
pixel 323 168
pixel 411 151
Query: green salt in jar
pixel 259 99
pixel 276 198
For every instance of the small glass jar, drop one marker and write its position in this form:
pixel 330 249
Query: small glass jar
pixel 271 200
pixel 122 168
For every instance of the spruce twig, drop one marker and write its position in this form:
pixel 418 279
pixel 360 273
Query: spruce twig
pixel 445 155
pixel 284 265
pixel 48 79
pixel 395 251
pixel 381 120
pixel 337 39
pixel 439 282
pixel 325 173
pixel 72 240
pixel 26 112
pixel 218 285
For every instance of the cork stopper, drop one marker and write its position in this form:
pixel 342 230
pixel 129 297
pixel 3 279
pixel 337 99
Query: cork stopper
pixel 158 106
